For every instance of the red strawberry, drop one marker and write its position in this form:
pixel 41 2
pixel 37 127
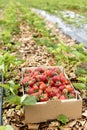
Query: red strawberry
pixel 62 87
pixel 29 70
pixel 44 78
pixel 31 82
pixel 58 84
pixel 56 78
pixel 62 97
pixel 36 94
pixel 69 88
pixel 24 75
pixel 30 91
pixel 40 70
pixel 42 86
pixel 48 91
pixel 62 78
pixel 51 83
pixel 25 80
pixel 44 97
pixel 35 87
pixel 54 92
pixel 64 91
pixel 48 73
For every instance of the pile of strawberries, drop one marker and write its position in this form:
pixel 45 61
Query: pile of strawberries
pixel 47 84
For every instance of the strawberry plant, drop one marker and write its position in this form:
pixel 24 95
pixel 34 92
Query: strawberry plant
pixel 23 100
pixel 10 23
pixel 46 84
pixel 63 119
pixel 9 62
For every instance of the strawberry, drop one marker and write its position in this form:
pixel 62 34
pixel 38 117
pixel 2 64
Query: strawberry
pixel 24 75
pixel 40 70
pixel 48 90
pixel 36 94
pixel 30 91
pixel 62 78
pixel 44 97
pixel 54 92
pixel 69 88
pixel 29 70
pixel 56 78
pixel 64 91
pixel 48 73
pixel 62 87
pixel 42 86
pixel 35 87
pixel 35 74
pixel 31 82
pixel 25 80
pixel 51 83
pixel 44 78
pixel 58 84
pixel 62 97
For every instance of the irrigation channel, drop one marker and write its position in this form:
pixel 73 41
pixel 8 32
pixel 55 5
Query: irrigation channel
pixel 77 33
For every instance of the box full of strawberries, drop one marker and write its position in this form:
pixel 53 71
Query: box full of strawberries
pixel 54 94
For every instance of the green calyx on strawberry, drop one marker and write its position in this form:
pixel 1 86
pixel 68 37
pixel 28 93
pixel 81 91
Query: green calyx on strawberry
pixel 44 97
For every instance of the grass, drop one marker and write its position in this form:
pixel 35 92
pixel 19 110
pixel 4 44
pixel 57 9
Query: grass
pixel 52 6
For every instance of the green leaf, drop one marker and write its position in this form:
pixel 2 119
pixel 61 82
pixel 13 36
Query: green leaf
pixel 82 79
pixel 24 100
pixel 12 87
pixel 28 100
pixel 63 119
pixel 81 71
pixel 14 99
pixel 8 127
pixel 80 86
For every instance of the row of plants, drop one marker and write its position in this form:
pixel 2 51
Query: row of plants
pixel 41 34
pixel 70 58
pixel 9 61
pixel 57 5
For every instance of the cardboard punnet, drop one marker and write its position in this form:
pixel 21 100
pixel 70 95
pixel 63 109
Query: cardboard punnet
pixel 43 111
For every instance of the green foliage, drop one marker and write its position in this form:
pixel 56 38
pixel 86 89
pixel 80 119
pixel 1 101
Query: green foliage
pixel 10 23
pixel 66 55
pixel 80 86
pixel 28 100
pixel 8 127
pixel 57 5
pixel 80 71
pixel 81 74
pixel 8 62
pixel 63 119
pixel 11 18
pixel 12 87
pixel 24 100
